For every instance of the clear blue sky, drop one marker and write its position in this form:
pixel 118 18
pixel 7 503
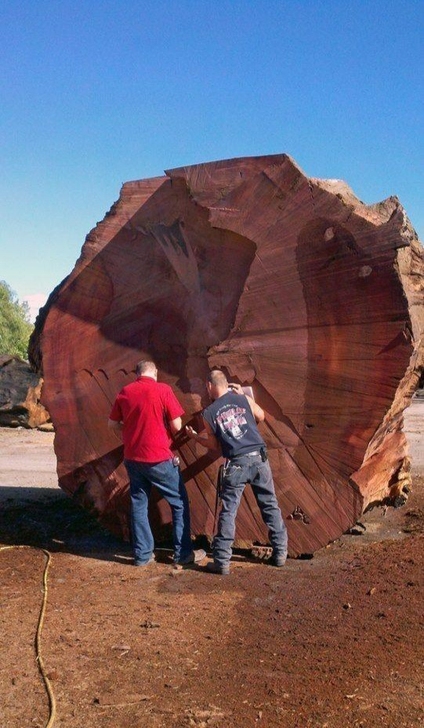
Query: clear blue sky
pixel 96 93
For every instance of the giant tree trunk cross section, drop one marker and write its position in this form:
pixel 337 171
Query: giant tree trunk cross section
pixel 291 285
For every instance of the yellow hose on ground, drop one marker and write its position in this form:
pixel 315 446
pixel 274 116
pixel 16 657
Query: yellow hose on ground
pixel 52 701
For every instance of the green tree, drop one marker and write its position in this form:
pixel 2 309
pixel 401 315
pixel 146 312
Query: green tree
pixel 15 324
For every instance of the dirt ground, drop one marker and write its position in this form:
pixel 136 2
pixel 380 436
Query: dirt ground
pixel 329 642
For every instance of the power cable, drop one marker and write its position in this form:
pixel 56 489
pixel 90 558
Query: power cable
pixel 39 659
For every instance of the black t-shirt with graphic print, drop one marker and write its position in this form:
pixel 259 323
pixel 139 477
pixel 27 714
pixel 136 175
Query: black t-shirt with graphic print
pixel 233 424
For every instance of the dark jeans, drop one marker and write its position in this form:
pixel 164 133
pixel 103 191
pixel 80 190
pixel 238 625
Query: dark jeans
pixel 240 471
pixel 168 480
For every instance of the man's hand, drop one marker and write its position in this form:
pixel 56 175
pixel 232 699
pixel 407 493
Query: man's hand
pixel 191 432
pixel 236 388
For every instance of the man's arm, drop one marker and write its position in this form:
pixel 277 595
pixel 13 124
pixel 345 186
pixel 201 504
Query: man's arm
pixel 115 426
pixel 205 438
pixel 175 425
pixel 257 411
pixel 173 411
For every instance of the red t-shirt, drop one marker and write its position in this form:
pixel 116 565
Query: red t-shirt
pixel 146 407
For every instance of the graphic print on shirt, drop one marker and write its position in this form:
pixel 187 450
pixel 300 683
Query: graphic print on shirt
pixel 233 421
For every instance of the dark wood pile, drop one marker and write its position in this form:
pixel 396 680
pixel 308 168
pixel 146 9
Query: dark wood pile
pixel 20 390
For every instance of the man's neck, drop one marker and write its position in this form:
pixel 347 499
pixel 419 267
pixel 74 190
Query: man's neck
pixel 219 392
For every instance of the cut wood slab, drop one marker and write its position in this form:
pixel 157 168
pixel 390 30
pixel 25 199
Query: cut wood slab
pixel 292 286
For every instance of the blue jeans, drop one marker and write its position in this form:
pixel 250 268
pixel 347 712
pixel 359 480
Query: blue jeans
pixel 168 480
pixel 240 471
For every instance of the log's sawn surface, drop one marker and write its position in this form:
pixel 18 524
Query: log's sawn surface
pixel 288 283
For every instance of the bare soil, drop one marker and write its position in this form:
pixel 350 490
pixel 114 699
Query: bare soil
pixel 329 642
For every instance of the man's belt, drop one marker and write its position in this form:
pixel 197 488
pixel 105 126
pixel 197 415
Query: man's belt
pixel 262 453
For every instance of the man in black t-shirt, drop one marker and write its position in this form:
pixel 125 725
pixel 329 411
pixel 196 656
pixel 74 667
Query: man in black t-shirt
pixel 230 423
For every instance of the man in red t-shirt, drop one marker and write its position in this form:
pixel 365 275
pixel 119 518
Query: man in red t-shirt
pixel 146 412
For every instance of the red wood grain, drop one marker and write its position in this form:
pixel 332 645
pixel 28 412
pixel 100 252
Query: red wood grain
pixel 288 283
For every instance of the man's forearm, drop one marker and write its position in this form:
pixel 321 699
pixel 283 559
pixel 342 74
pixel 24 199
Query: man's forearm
pixel 175 425
pixel 115 426
pixel 203 438
pixel 206 440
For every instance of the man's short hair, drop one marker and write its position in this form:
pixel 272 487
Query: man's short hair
pixel 145 365
pixel 217 378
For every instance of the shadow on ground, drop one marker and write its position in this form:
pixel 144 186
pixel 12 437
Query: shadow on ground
pixel 47 518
